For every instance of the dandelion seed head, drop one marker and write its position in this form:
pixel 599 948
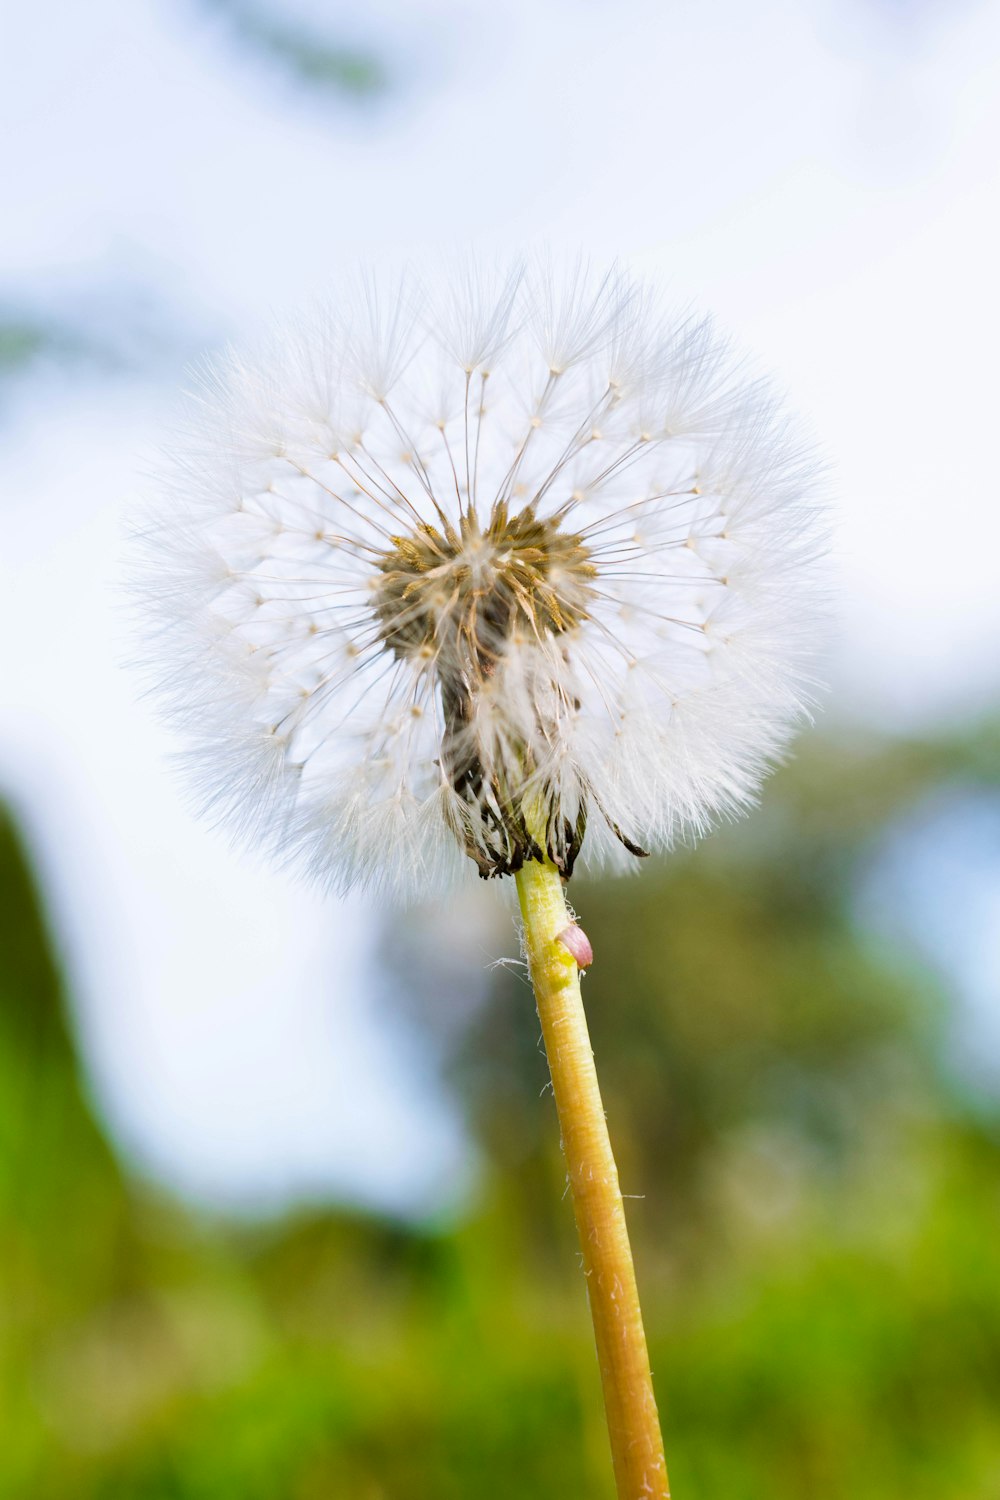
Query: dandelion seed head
pixel 510 567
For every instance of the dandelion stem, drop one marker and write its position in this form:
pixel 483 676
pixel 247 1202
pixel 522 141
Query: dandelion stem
pixel 633 1426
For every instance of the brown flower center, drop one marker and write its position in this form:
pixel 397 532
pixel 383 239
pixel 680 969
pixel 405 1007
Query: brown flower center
pixel 459 597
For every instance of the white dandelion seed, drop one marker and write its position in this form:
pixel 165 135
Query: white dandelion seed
pixel 433 560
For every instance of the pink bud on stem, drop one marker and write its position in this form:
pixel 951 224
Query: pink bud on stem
pixel 577 942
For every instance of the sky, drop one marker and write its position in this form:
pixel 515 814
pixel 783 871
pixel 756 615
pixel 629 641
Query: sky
pixel 822 176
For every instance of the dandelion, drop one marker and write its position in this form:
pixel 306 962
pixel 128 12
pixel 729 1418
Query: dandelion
pixel 498 577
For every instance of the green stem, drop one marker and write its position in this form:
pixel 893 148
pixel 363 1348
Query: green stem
pixel 633 1425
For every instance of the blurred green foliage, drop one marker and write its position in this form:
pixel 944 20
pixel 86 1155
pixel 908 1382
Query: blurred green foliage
pixel 95 327
pixel 24 340
pixel 19 343
pixel 818 1242
pixel 321 64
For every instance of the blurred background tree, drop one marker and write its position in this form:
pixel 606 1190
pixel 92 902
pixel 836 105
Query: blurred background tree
pixel 818 1233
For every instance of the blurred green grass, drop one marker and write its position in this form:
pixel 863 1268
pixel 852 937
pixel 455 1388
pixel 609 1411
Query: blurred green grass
pixel 818 1242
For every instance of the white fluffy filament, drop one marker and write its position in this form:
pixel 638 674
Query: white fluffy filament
pixel 633 663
